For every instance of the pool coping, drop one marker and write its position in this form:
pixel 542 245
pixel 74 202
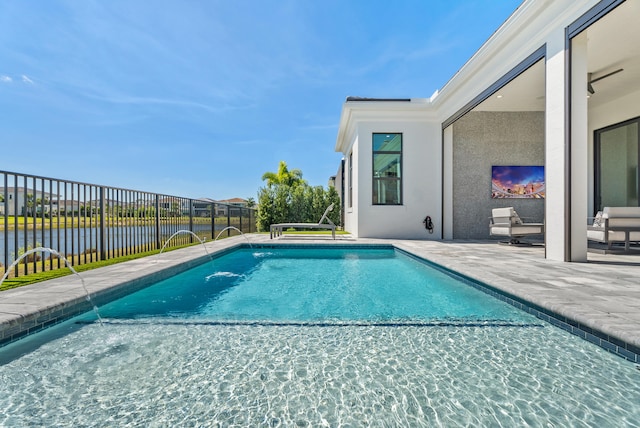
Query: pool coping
pixel 32 308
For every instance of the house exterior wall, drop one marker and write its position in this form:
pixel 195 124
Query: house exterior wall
pixel 11 198
pixel 338 184
pixel 421 178
pixel 352 186
pixel 484 139
pixel 20 194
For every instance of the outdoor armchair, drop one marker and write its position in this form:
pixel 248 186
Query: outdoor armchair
pixel 505 222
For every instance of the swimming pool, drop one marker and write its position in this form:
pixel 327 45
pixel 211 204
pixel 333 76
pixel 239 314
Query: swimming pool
pixel 254 338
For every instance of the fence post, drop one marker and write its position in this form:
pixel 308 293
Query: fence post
pixel 157 219
pixel 103 225
pixel 191 221
pixel 213 221
pixel 5 212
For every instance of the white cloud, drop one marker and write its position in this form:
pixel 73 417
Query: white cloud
pixel 25 79
pixel 5 79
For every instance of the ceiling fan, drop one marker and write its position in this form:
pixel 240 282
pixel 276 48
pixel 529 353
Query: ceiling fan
pixel 597 79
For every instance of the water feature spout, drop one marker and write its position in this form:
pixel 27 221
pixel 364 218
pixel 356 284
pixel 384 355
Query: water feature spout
pixel 57 254
pixel 233 227
pixel 178 233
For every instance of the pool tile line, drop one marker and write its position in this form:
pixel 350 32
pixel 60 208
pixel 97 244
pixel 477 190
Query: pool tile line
pixel 307 245
pixel 408 324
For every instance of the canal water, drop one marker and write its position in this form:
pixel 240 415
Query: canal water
pixel 78 240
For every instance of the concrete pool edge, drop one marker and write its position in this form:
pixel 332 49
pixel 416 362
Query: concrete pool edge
pixel 32 308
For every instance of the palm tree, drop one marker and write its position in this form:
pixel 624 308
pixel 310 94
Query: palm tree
pixel 283 176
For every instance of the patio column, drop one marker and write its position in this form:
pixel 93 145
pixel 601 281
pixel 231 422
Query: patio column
pixel 555 154
pixel 579 158
pixel 447 183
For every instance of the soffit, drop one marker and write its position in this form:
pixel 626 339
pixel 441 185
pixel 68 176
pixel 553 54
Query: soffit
pixel 524 93
pixel 613 43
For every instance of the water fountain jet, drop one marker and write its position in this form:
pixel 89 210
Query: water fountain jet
pixel 178 233
pixel 67 264
pixel 235 228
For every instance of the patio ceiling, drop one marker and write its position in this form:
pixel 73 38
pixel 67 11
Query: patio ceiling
pixel 613 43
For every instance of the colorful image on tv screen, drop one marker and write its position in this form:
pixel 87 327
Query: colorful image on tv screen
pixel 517 182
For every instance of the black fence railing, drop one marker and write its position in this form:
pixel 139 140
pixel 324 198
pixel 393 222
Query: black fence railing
pixel 88 222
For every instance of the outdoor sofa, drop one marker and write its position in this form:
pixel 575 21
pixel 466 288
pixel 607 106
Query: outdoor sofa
pixel 615 224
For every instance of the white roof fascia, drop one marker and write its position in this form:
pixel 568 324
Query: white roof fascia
pixel 354 112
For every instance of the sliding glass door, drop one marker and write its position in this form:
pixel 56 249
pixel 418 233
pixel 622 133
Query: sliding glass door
pixel 616 163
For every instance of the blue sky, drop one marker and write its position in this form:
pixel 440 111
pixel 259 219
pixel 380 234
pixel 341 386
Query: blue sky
pixel 200 98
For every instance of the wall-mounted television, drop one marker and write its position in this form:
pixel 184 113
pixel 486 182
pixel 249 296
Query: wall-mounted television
pixel 526 182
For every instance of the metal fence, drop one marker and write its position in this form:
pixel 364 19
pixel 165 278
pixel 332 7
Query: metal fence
pixel 87 222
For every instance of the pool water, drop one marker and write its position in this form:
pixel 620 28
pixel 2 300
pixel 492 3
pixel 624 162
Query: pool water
pixel 224 354
pixel 375 285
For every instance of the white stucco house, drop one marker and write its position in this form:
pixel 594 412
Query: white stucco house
pixel 556 86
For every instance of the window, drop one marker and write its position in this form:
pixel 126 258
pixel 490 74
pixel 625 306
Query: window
pixel 616 160
pixel 387 169
pixel 351 180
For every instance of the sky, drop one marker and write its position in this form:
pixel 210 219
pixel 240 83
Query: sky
pixel 199 98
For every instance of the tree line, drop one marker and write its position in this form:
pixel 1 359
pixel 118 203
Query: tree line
pixel 287 198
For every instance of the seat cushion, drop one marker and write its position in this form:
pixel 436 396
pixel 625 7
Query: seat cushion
pixel 500 230
pixel 597 234
pixel 527 229
pixel 628 212
pixel 505 215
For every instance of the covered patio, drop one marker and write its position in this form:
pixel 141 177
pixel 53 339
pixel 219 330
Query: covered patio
pixel 572 105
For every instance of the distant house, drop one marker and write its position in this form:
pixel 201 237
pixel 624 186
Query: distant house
pixel 202 207
pixel 24 201
pixel 221 208
pixel 174 206
pixel 64 206
pixel 238 202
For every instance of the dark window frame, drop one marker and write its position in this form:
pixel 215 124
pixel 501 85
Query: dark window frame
pixel 375 180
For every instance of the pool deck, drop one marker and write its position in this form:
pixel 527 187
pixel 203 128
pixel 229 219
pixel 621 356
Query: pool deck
pixel 602 294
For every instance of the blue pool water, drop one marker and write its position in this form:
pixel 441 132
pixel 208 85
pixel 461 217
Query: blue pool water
pixel 377 285
pixel 314 337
